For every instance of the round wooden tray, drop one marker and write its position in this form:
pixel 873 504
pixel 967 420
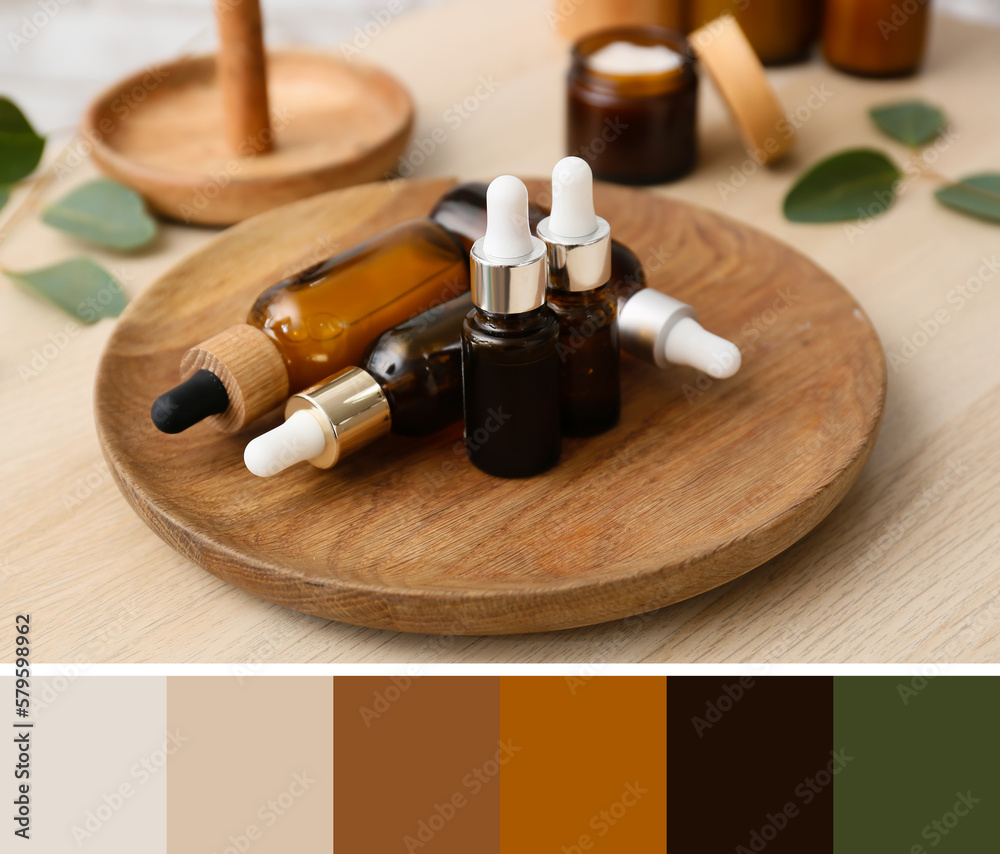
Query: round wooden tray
pixel 700 482
pixel 335 123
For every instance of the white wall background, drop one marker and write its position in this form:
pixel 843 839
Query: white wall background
pixel 85 45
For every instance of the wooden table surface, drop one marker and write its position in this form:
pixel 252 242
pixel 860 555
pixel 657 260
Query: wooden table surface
pixel 905 569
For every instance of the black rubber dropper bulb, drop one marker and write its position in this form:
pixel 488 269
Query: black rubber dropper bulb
pixel 199 396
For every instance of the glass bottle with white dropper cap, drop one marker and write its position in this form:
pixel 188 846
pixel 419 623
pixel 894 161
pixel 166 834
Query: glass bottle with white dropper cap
pixel 409 383
pixel 579 250
pixel 665 331
pixel 510 369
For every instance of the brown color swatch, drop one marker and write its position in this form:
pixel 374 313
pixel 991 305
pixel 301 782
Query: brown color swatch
pixel 256 769
pixel 589 771
pixel 749 764
pixel 418 764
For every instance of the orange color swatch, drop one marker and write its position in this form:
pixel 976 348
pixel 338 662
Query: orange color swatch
pixel 588 771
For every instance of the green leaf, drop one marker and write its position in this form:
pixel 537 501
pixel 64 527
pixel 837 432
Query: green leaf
pixel 105 213
pixel 913 123
pixel 846 186
pixel 78 286
pixel 20 147
pixel 4 195
pixel 978 195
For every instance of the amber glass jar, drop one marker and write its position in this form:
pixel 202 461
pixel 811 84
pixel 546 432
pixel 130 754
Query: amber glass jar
pixel 875 38
pixel 780 31
pixel 633 128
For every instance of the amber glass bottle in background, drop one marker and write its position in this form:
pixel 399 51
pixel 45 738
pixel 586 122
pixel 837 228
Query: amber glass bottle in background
pixel 576 19
pixel 633 127
pixel 780 31
pixel 876 38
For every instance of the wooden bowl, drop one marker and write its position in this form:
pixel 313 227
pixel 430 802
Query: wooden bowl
pixel 700 482
pixel 336 123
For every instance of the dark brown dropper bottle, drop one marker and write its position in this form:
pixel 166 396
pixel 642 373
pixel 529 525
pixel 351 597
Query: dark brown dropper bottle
pixel 579 251
pixel 409 383
pixel 510 368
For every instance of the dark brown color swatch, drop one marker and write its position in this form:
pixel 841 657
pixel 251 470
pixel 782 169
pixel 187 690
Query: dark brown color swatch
pixel 750 765
pixel 417 764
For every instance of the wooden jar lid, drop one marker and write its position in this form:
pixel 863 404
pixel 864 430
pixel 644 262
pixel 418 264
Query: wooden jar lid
pixel 739 76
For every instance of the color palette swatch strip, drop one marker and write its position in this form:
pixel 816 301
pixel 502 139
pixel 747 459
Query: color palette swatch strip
pixel 490 764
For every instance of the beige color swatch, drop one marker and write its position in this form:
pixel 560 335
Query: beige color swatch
pixel 256 772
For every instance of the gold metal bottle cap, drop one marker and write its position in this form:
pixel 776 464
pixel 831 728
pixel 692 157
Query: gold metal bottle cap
pixel 352 410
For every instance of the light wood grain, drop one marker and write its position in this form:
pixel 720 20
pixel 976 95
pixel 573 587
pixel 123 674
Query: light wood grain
pixel 165 134
pixel 857 589
pixel 242 73
pixel 699 483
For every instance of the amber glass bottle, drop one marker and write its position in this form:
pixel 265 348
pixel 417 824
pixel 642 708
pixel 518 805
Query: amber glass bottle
pixel 589 384
pixel 875 38
pixel 511 374
pixel 780 31
pixel 410 383
pixel 418 364
pixel 510 368
pixel 325 317
pixel 578 243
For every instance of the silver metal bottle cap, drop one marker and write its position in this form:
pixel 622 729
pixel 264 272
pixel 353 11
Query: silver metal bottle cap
pixel 352 410
pixel 508 285
pixel 577 263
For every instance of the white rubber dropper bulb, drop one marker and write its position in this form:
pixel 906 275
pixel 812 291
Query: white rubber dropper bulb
pixel 508 235
pixel 689 343
pixel 299 439
pixel 572 199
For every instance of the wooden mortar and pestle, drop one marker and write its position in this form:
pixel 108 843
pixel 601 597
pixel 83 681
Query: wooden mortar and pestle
pixel 215 140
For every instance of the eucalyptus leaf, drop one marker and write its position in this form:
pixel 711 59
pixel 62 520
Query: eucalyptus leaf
pixel 20 147
pixel 913 123
pixel 977 195
pixel 79 287
pixel 105 213
pixel 847 186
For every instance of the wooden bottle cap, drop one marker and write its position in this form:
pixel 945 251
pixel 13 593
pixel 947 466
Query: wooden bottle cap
pixel 739 76
pixel 251 369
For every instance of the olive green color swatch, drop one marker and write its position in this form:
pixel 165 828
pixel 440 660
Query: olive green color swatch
pixel 923 776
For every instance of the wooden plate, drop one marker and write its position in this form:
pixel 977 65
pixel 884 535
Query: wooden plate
pixel 335 124
pixel 700 482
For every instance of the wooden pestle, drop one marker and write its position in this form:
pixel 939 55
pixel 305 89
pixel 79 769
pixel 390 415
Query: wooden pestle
pixel 243 75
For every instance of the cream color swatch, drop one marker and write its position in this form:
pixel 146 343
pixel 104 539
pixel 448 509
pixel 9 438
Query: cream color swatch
pixel 256 771
pixel 98 755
